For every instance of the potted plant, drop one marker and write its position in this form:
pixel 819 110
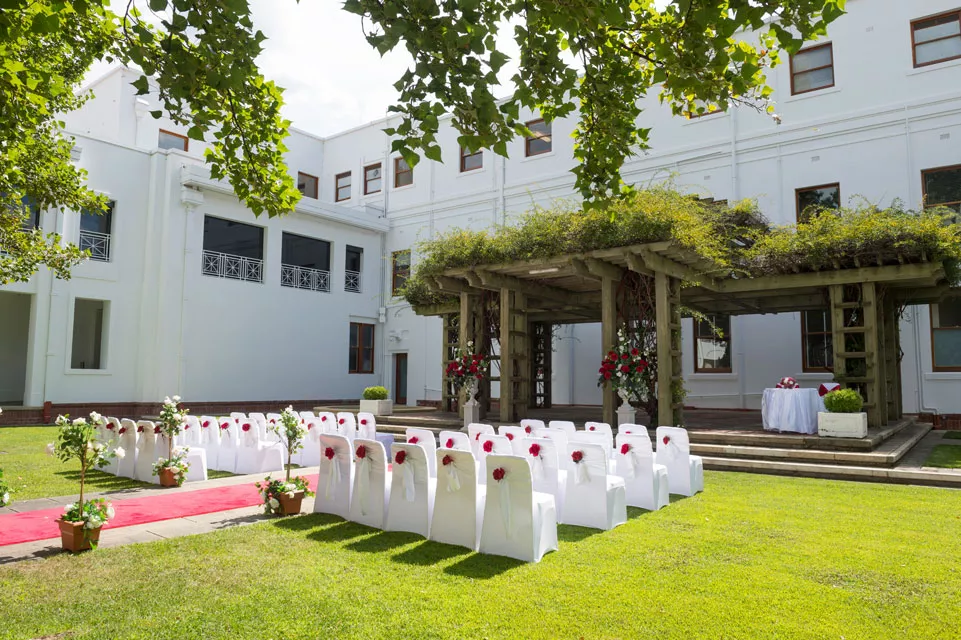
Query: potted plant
pixel 171 470
pixel 77 440
pixel 844 418
pixel 376 401
pixel 284 497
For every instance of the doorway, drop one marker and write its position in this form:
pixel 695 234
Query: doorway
pixel 400 379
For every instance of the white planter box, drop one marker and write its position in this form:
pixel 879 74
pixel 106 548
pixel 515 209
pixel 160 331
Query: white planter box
pixel 843 425
pixel 377 407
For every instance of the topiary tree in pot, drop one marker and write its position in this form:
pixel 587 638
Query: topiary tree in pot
pixel 843 418
pixel 377 401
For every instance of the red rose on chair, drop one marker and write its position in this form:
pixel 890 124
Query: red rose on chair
pixel 535 450
pixel 450 443
pixel 122 430
pixel 477 436
pixel 139 428
pixel 413 440
pixel 109 426
pixel 527 429
pixel 323 418
pixel 510 436
pixel 447 460
pixel 488 446
pixel 156 430
pixel 186 426
pixel 206 424
pixel 364 422
pixel 361 452
pixel 666 440
pixel 400 456
pixel 593 428
pixel 625 448
pixel 246 427
pixel 577 456
pixel 225 426
pixel 329 453
pixel 341 421
pixel 272 421
pixel 499 474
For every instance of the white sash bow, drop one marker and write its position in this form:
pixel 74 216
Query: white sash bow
pixel 506 511
pixel 363 483
pixel 669 450
pixel 453 480
pixel 408 474
pixel 333 476
pixel 581 473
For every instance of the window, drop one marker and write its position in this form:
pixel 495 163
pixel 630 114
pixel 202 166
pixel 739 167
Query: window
pixel 937 38
pixel 361 358
pixel 817 341
pixel 87 350
pixel 541 141
pixel 233 250
pixel 372 179
pixel 307 185
pixel 342 186
pixel 403 174
pixel 95 233
pixel 942 187
pixel 352 269
pixel 946 335
pixel 812 69
pixel 712 352
pixel 29 211
pixel 171 140
pixel 470 161
pixel 825 196
pixel 305 263
pixel 400 270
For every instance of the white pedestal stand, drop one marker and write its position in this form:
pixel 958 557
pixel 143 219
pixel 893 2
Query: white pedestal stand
pixel 625 413
pixel 471 407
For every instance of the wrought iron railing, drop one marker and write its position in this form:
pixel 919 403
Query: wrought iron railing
pixel 226 265
pixel 352 281
pixel 98 244
pixel 304 278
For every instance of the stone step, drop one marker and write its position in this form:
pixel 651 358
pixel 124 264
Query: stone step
pixel 755 438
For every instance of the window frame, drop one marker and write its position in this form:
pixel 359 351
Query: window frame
pixel 528 140
pixel 378 165
pixel 394 273
pixel 726 339
pixel 799 190
pixel 464 155
pixel 924 186
pixel 361 347
pixel 337 187
pixel 176 135
pixel 301 174
pixel 398 172
pixel 914 45
pixel 808 50
pixel 805 368
pixel 934 361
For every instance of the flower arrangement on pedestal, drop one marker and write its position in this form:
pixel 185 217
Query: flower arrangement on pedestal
pixel 467 369
pixel 625 369
pixel 287 495
pixel 171 470
pixel 77 440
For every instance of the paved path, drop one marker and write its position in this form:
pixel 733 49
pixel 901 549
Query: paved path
pixel 916 457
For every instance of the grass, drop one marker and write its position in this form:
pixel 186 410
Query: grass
pixel 946 456
pixel 753 557
pixel 31 473
pixel 952 435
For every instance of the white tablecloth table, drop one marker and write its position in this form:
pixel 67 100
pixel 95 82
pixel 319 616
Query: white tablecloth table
pixel 793 410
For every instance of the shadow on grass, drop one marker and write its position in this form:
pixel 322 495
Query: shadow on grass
pixel 383 541
pixel 636 512
pixel 308 521
pixel 482 567
pixel 575 533
pixel 341 531
pixel 102 482
pixel 429 553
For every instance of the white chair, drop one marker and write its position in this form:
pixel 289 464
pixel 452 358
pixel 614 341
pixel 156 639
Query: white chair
pixel 594 498
pixel 455 440
pixel 255 456
pixel 458 501
pixel 518 521
pixel 599 427
pixel 261 421
pixel 127 467
pixel 192 428
pixel 210 440
pixel 238 416
pixel 564 425
pixel 111 426
pixel 475 431
pixel 111 437
pixel 528 425
pixel 685 473
pixel 197 459
pixel 560 438
pixel 645 482
pixel 546 471
pixel 491 444
pixel 229 445
pixel 307 415
pixel 371 489
pixel 515 435
pixel 347 425
pixel 593 437
pixel 309 454
pixel 425 438
pixel 146 452
pixel 631 429
pixel 366 425
pixel 270 420
pixel 336 476
pixel 411 490
pixel 328 421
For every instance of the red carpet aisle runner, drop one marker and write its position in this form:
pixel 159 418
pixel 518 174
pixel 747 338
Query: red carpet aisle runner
pixel 16 528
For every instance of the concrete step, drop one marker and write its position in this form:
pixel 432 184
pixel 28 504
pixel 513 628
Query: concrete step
pixel 423 421
pixel 754 438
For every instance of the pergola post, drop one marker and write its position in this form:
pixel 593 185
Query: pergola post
pixel 608 341
pixel 470 330
pixel 541 336
pixel 449 342
pixel 515 355
pixel 667 318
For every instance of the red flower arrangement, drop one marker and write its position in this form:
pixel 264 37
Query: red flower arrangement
pixel 413 440
pixel 329 453
pixel 577 456
pixel 466 366
pixel 625 448
pixel 488 446
pixel 246 427
pixel 361 452
pixel 447 460
pixel 450 443
pixel 535 450
pixel 510 436
pixel 400 456
pixel 624 368
pixel 499 474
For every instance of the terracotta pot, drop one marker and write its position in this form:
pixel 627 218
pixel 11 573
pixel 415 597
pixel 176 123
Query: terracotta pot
pixel 74 538
pixel 290 506
pixel 168 478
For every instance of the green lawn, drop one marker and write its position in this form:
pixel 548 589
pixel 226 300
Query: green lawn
pixel 31 473
pixel 946 456
pixel 952 435
pixel 753 557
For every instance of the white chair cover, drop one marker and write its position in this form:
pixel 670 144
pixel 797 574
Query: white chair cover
pixel 563 425
pixel 192 435
pixel 229 444
pixel 475 431
pixel 633 430
pixel 307 415
pixel 238 416
pixel 455 440
pixel 605 440
pixel 197 459
pixel 425 438
pixel 515 435
pixel 488 445
pixel 599 427
pixel 645 482
pixel 309 456
pixel 529 425
pixel 210 440
pixel 411 491
pixel 111 437
pixel 127 438
pixel 560 438
pixel 594 498
pixel 371 489
pixel 146 452
pixel 328 421
pixel 366 425
pixel 685 473
pixel 546 473
pixel 255 456
pixel 347 425
pixel 336 476
pixel 518 521
pixel 459 500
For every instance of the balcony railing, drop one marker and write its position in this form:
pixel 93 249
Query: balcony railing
pixel 304 278
pixel 98 244
pixel 352 281
pixel 225 265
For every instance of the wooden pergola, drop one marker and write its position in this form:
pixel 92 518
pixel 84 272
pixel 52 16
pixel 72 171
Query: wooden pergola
pixel 527 298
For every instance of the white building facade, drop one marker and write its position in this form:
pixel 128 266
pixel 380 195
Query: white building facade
pixel 872 111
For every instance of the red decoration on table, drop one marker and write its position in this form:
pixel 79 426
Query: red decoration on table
pixel 827 387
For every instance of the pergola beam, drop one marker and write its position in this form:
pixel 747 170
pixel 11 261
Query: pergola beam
pixel 892 275
pixel 496 282
pixel 674 269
